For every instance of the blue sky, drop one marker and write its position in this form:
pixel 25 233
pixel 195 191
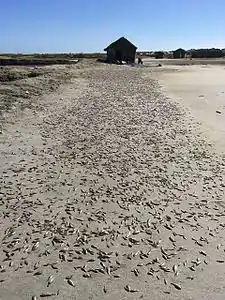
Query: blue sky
pixel 89 25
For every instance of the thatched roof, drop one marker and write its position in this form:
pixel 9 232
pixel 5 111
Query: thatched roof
pixel 120 41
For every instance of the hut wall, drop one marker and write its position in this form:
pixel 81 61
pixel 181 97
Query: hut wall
pixel 121 49
pixel 111 55
pixel 128 54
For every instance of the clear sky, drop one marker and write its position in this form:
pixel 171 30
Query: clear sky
pixel 90 25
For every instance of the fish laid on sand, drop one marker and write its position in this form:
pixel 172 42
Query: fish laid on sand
pixel 115 192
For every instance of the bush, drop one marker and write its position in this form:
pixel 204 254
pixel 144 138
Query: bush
pixel 206 53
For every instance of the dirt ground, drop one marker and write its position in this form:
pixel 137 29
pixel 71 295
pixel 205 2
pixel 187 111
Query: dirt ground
pixel 110 189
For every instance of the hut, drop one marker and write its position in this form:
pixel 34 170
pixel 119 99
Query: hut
pixel 179 53
pixel 121 50
pixel 159 54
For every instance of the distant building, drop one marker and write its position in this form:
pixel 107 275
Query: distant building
pixel 188 54
pixel 159 54
pixel 179 53
pixel 121 50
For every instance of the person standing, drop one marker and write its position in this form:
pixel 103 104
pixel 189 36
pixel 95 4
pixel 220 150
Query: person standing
pixel 140 61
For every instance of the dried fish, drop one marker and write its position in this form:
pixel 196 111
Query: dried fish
pixel 127 288
pixel 35 246
pixel 44 295
pixel 11 263
pixel 150 273
pixel 108 270
pixel 203 253
pixel 175 267
pixel 218 246
pixel 37 265
pixel 70 282
pixel 54 266
pixel 51 278
pixel 62 257
pixel 83 268
pixel 134 241
pixel 155 260
pixel 172 240
pixel 175 270
pixel 140 265
pixel 38 273
pixel 136 272
pixel 167 270
pixel 134 291
pixel 185 263
pixel 182 248
pixel 198 261
pixel 167 227
pixel 130 290
pixel 165 257
pixel 199 244
pixel 221 261
pixel 177 286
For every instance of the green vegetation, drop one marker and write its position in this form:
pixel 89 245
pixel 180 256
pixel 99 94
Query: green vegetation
pixel 194 53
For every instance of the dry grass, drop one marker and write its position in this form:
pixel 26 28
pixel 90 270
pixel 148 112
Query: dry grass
pixel 19 84
pixel 16 73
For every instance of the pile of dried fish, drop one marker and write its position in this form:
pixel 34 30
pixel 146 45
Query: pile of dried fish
pixel 117 194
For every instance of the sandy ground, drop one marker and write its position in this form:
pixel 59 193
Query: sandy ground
pixel 200 90
pixel 109 190
pixel 185 61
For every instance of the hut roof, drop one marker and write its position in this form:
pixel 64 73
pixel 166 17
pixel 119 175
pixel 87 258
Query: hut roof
pixel 179 49
pixel 120 41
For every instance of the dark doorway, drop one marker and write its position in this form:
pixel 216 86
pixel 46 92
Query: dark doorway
pixel 118 56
